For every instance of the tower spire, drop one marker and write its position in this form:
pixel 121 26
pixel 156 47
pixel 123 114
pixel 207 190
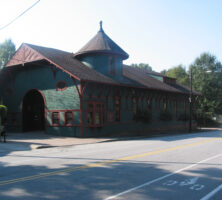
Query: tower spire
pixel 101 25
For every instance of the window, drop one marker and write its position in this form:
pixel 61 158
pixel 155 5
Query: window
pixel 135 105
pixel 117 109
pixel 165 104
pixel 94 114
pixel 185 106
pixel 55 118
pixel 61 85
pixel 90 114
pixel 98 116
pixel 149 103
pixel 68 118
pixel 112 65
pixel 110 117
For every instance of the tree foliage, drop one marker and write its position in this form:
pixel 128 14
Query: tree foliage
pixel 143 66
pixel 207 79
pixel 3 112
pixel 163 72
pixel 7 49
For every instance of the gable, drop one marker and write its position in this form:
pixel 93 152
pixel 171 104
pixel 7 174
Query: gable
pixel 24 55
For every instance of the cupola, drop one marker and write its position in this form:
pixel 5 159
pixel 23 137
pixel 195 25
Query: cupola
pixel 101 44
pixel 103 55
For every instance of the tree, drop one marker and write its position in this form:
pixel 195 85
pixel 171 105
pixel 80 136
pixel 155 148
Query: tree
pixel 7 49
pixel 207 79
pixel 163 72
pixel 142 65
pixel 178 72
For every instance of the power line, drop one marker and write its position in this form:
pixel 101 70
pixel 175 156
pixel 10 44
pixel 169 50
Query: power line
pixel 1 28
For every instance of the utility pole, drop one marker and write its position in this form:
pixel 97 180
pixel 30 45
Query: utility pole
pixel 190 101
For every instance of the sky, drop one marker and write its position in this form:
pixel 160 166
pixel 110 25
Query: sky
pixel 162 33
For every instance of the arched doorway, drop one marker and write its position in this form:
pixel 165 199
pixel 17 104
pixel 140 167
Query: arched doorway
pixel 33 107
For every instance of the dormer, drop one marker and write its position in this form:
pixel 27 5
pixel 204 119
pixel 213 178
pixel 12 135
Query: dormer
pixel 103 55
pixel 169 80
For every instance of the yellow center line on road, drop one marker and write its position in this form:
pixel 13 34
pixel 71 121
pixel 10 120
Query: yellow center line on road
pixel 28 178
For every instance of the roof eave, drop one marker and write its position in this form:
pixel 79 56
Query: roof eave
pixel 106 52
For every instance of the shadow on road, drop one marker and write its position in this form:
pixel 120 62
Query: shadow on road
pixel 99 182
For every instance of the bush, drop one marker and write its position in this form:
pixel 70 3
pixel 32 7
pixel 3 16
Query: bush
pixel 3 111
pixel 165 115
pixel 207 122
pixel 144 116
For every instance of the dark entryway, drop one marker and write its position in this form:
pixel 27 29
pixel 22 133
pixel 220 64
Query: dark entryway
pixel 33 111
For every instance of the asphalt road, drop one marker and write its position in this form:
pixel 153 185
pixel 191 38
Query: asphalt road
pixel 187 166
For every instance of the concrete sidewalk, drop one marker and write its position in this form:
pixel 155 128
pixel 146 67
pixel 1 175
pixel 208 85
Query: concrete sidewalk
pixel 37 140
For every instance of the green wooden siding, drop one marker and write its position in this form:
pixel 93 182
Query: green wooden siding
pixel 42 78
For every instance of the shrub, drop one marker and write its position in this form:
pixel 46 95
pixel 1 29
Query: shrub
pixel 207 121
pixel 144 116
pixel 165 115
pixel 3 111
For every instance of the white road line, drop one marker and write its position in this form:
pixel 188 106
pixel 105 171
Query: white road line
pixel 161 178
pixel 212 193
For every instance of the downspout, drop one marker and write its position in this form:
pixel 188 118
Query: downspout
pixel 80 102
pixel 81 93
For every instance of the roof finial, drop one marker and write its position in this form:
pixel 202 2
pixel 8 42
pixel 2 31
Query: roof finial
pixel 101 25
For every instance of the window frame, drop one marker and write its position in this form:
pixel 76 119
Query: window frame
pixel 94 111
pixel 52 123
pixel 112 66
pixel 149 103
pixel 115 109
pixel 65 118
pixel 135 105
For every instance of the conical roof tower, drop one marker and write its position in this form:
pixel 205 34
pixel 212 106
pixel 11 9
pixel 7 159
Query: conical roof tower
pixel 101 44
